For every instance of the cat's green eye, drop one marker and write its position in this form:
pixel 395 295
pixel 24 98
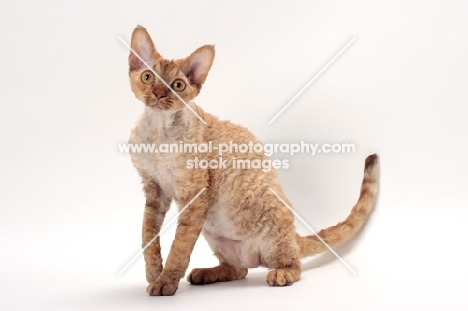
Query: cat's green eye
pixel 178 85
pixel 147 77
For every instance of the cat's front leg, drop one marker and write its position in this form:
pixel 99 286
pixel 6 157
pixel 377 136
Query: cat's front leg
pixel 187 233
pixel 155 210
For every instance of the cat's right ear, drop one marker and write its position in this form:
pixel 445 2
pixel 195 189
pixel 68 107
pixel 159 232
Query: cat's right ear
pixel 144 47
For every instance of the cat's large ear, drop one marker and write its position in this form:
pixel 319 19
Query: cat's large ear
pixel 144 47
pixel 198 64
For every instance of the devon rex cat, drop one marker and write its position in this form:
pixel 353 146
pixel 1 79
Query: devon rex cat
pixel 244 222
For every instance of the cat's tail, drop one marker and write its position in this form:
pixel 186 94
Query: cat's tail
pixel 311 245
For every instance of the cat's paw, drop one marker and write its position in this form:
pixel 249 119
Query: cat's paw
pixel 162 288
pixel 203 276
pixel 153 272
pixel 281 277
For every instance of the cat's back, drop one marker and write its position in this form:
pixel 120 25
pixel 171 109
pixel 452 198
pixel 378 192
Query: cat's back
pixel 226 131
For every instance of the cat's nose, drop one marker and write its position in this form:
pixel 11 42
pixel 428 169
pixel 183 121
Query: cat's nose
pixel 159 93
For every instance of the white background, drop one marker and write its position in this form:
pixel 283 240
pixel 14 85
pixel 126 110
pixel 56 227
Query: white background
pixel 71 205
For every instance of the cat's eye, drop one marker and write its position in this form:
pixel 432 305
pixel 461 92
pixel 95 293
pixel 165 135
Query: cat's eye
pixel 147 77
pixel 178 85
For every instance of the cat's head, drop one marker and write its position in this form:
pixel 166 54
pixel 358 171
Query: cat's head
pixel 184 76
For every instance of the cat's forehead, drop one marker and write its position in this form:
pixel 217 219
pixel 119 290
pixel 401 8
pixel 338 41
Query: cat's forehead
pixel 165 66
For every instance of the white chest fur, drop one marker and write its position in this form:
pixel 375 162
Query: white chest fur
pixel 161 169
pixel 153 129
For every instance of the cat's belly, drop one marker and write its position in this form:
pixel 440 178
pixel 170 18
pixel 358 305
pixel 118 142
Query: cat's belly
pixel 241 254
pixel 220 233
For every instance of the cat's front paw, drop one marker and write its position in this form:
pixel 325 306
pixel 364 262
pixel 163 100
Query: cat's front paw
pixel 162 288
pixel 281 277
pixel 153 272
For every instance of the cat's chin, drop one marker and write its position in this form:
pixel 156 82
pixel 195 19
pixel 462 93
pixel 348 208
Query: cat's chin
pixel 156 107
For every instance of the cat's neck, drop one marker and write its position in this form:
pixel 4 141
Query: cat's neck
pixel 167 125
pixel 160 119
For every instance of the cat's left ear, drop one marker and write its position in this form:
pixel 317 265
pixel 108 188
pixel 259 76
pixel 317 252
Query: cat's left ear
pixel 198 64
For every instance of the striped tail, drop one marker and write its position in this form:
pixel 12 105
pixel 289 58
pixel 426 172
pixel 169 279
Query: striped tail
pixel 343 231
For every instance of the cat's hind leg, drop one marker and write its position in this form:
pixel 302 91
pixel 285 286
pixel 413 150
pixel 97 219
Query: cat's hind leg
pixel 284 276
pixel 286 264
pixel 281 251
pixel 222 273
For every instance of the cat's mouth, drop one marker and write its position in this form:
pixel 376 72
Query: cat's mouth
pixel 154 104
pixel 159 104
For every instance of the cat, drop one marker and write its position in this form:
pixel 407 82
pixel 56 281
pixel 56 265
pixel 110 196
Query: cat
pixel 244 222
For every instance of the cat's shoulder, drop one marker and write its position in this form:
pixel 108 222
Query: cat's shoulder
pixel 230 130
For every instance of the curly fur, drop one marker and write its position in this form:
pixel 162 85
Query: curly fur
pixel 244 223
